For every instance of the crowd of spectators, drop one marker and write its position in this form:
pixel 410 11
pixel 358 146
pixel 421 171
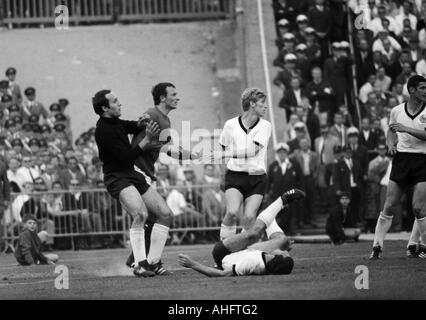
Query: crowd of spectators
pixel 338 88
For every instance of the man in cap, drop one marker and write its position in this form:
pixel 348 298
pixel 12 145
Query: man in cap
pixel 13 86
pixel 283 174
pixel 302 23
pixel 33 107
pixel 289 42
pixel 337 70
pixel 313 50
pixel 301 132
pixel 284 76
pixel 283 28
pixel 320 19
pixel 303 63
pixel 284 9
pixel 240 255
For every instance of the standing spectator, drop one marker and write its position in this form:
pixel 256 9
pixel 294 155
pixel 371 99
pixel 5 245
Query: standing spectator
pixel 289 43
pixel 303 63
pixel 307 115
pixel 338 129
pixel 302 23
pixel 213 204
pixel 321 95
pixel 33 107
pixel 308 162
pixel 399 93
pixel 395 68
pixel 337 72
pixel 13 86
pixel 292 97
pixel 339 24
pixel 368 138
pixel 320 18
pixel 338 226
pixel 367 88
pixel 382 80
pixel 290 132
pixel 284 174
pixel 324 147
pixel 330 169
pixel 284 10
pixel 346 178
pixel 4 193
pixel 301 132
pixel 284 76
pixel 363 60
pixel 421 64
pixel 313 50
pixel 376 171
pixel 405 13
pixel 283 28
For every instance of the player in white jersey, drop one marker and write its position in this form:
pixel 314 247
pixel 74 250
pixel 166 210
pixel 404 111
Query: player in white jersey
pixel 406 139
pixel 244 140
pixel 240 255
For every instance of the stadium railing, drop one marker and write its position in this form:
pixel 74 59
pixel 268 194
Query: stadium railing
pixel 17 12
pixel 95 214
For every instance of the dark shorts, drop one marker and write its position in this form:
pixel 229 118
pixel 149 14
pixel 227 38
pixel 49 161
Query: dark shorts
pixel 408 169
pixel 219 252
pixel 247 184
pixel 117 181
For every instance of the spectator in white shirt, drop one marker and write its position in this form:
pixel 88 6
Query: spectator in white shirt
pixel 15 177
pixel 367 88
pixel 375 25
pixel 382 44
pixel 405 14
pixel 27 173
pixel 382 79
pixel 421 64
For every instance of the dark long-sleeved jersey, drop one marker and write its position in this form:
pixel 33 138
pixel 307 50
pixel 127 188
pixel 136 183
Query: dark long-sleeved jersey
pixel 27 249
pixel 115 151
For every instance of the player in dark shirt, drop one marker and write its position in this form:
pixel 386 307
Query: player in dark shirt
pixel 128 185
pixel 165 99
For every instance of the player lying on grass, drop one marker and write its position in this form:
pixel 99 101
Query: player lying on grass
pixel 241 254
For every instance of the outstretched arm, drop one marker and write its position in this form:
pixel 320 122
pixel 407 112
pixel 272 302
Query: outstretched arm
pixel 187 262
pixel 179 153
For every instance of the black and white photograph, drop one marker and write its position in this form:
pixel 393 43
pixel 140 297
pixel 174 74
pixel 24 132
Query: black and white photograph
pixel 210 158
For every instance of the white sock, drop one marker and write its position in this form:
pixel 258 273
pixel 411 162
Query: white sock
pixel 382 227
pixel 415 234
pixel 268 215
pixel 137 241
pixel 158 241
pixel 273 228
pixel 227 231
pixel 422 229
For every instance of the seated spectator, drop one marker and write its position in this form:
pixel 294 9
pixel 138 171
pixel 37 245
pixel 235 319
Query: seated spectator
pixel 72 171
pixel 302 23
pixel 303 63
pixel 284 9
pixel 16 179
pixel 33 107
pixel 27 171
pixel 366 88
pixel 290 132
pixel 337 226
pixel 407 72
pixel 28 248
pixel 376 25
pixel 405 13
pixel 310 119
pixel 213 203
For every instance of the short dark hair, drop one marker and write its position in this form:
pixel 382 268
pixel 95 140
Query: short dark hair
pixel 414 81
pixel 159 90
pixel 279 265
pixel 100 100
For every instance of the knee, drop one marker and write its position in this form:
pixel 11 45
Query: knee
pixel 139 215
pixel 253 235
pixel 390 208
pixel 418 211
pixel 165 217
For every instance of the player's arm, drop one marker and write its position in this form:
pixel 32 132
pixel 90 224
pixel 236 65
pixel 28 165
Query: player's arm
pixel 179 153
pixel 187 262
pixel 243 153
pixel 398 127
pixel 391 141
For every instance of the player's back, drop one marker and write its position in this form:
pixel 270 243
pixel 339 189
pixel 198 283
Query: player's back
pixel 245 262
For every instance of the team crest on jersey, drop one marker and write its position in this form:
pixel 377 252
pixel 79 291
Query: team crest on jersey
pixel 422 118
